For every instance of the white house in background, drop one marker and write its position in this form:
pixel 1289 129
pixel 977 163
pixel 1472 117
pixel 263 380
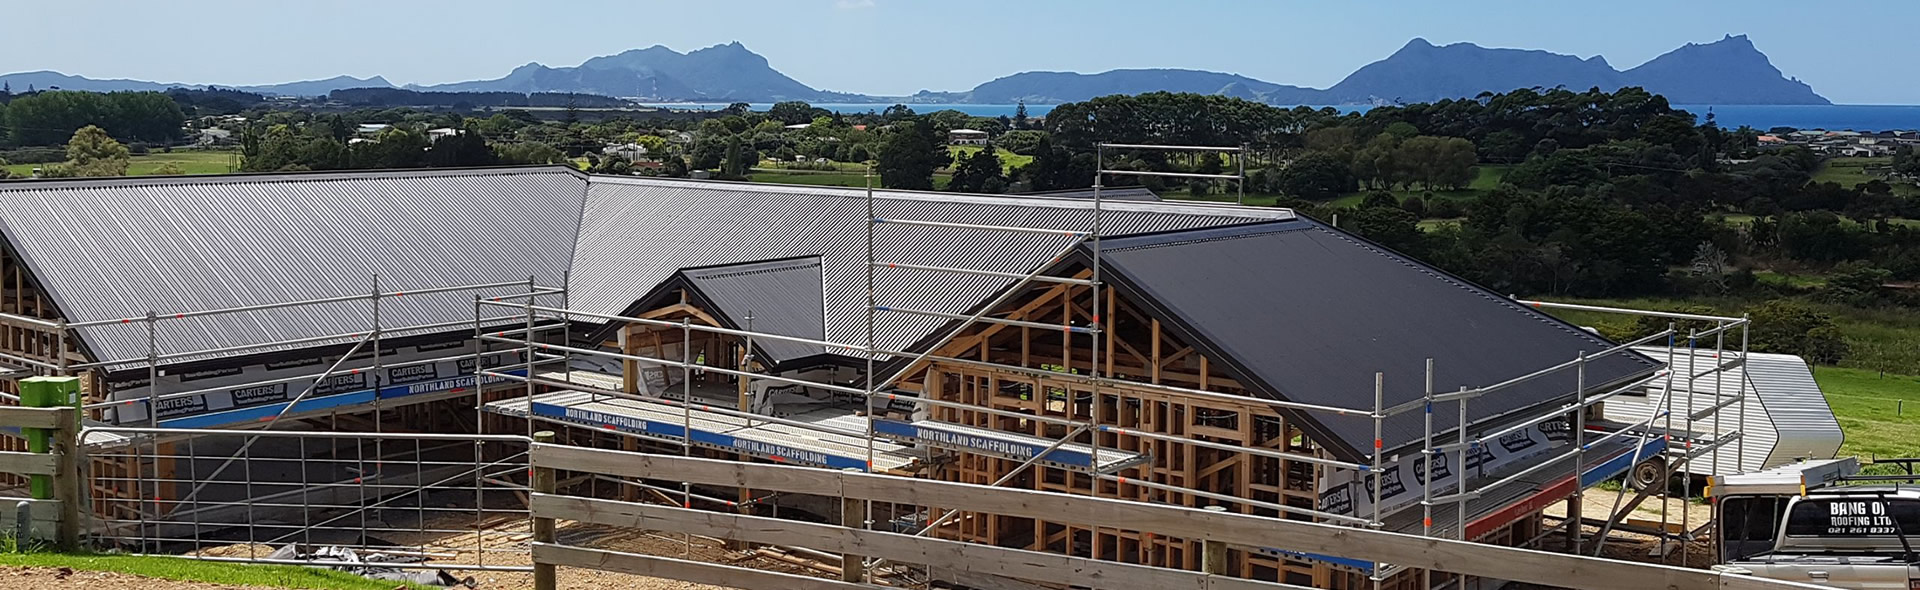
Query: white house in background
pixel 214 136
pixel 625 151
pixel 440 133
pixel 370 128
pixel 797 126
pixel 967 137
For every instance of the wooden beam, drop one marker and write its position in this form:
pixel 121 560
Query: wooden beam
pixel 1106 325
pixel 960 555
pixel 1507 563
pixel 629 368
pixel 1206 371
pixel 19 417
pixel 1156 353
pixel 27 463
pixel 725 576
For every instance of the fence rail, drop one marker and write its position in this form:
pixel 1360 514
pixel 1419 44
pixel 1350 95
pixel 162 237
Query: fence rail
pixel 1505 563
pixel 52 465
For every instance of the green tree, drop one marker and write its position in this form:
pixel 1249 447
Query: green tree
pixel 169 169
pixel 1906 161
pixel 910 155
pixel 709 152
pixel 92 153
pixel 792 112
pixel 1392 227
pixel 738 160
pixel 674 167
pixel 1790 327
pixel 1025 143
pixel 978 173
pixel 1856 283
pixel 1020 116
pixel 466 148
pixel 1379 199
pixel 529 152
pixel 1317 176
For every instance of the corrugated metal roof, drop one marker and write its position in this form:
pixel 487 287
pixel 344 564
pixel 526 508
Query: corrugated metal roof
pixel 637 232
pixel 1308 313
pixel 108 249
pixel 116 248
pixel 1123 193
pixel 781 296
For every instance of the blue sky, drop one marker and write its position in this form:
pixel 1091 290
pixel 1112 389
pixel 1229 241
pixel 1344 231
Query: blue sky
pixel 1851 52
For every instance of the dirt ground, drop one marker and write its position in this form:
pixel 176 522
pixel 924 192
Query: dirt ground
pixel 39 578
pixel 508 544
pixel 1598 504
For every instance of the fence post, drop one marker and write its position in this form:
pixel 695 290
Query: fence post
pixel 852 567
pixel 1213 554
pixel 543 483
pixel 65 483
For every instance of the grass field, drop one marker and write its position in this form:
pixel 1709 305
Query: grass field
pixel 1872 412
pixel 856 179
pixel 177 568
pixel 1486 177
pixel 1008 160
pixel 1850 172
pixel 193 162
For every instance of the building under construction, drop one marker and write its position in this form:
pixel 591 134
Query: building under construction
pixel 1191 354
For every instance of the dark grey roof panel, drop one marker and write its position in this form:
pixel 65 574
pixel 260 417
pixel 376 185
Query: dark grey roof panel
pixel 1312 313
pixel 782 296
pixel 118 248
pixel 637 232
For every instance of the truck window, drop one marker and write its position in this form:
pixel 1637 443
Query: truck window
pixel 1749 524
pixel 1854 517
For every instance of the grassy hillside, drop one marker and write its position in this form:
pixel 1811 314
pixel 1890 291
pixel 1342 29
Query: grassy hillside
pixel 1879 412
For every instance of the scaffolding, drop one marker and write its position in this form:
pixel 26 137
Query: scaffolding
pixel 516 322
pixel 1642 437
pixel 144 502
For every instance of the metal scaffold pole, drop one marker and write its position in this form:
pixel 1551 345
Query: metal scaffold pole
pixel 686 419
pixel 866 520
pixel 1094 340
pixel 1666 472
pixel 1575 508
pixel 1427 456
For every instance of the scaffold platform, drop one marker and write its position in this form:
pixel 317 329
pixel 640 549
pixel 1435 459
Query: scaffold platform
pixel 773 441
pixel 1006 445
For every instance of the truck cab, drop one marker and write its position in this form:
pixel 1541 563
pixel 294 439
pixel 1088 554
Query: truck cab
pixel 1797 523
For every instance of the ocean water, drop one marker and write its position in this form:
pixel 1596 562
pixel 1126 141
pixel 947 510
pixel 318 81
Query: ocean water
pixel 1856 117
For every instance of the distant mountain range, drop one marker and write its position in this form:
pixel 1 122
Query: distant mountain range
pixel 1728 71
pixel 42 80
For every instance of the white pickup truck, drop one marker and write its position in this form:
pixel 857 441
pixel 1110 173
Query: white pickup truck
pixel 1792 523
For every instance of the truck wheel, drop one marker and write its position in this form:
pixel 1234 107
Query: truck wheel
pixel 1649 473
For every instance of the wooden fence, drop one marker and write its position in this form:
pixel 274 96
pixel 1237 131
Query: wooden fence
pixel 55 492
pixel 1215 529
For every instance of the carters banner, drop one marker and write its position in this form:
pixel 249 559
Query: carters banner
pixel 1406 477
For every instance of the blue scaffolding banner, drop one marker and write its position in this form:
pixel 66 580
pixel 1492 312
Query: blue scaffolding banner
pixel 925 433
pixel 338 400
pixel 672 432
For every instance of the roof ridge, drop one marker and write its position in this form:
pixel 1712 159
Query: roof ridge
pixel 1022 200
pixel 740 273
pixel 279 176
